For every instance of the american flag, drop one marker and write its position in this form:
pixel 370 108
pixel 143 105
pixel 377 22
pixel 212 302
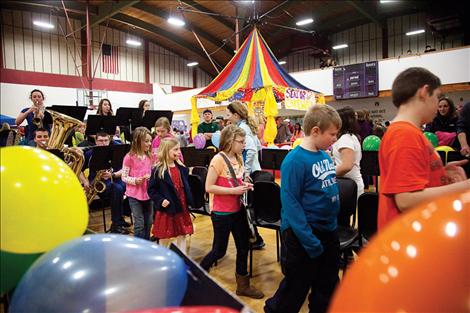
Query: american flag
pixel 110 60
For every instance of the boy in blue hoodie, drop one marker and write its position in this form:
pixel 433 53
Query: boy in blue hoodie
pixel 310 205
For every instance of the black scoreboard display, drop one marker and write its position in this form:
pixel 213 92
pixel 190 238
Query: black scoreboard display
pixel 356 81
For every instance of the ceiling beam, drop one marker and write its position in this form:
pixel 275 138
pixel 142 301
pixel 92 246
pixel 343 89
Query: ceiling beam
pixel 224 21
pixel 71 6
pixel 160 32
pixel 155 11
pixel 367 12
pixel 110 8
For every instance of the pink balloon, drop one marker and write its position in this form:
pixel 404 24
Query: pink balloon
pixel 199 141
pixel 190 309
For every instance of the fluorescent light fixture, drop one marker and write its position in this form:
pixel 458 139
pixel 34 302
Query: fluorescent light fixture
pixel 415 32
pixel 387 1
pixel 304 22
pixel 43 24
pixel 132 42
pixel 176 21
pixel 192 64
pixel 282 62
pixel 342 46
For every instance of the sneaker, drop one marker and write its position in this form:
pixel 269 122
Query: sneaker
pixel 126 224
pixel 119 230
pixel 258 245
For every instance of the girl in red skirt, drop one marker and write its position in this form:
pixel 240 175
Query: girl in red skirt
pixel 171 195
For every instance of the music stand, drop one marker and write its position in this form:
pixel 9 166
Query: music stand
pixel 370 165
pixel 197 157
pixel 131 117
pixel 77 112
pixel 202 290
pixel 151 116
pixel 272 159
pixel 101 123
pixel 107 157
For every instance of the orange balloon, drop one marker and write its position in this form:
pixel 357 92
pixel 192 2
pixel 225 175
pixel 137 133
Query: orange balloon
pixel 418 263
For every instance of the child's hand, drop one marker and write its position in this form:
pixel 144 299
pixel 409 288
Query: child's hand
pixel 165 203
pixel 239 190
pixel 147 176
pixel 139 180
pixel 248 185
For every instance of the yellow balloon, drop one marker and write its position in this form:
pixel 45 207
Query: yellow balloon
pixel 444 148
pixel 42 201
pixel 297 142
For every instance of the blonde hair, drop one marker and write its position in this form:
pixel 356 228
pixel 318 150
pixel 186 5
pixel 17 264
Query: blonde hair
pixel 240 109
pixel 228 135
pixel 163 155
pixel 163 122
pixel 321 116
pixel 138 136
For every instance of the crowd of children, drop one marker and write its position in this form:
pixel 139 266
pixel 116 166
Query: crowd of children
pixel 157 184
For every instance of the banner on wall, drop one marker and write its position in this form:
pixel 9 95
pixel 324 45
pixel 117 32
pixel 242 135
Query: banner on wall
pixel 298 99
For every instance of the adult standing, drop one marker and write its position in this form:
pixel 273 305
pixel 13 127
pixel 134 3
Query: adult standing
pixel 207 127
pixel 237 114
pixel 34 115
pixel 445 123
pixel 463 134
pixel 283 132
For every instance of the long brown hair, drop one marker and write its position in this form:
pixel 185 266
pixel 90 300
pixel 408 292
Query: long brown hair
pixel 240 109
pixel 163 155
pixel 138 136
pixel 228 135
pixel 100 107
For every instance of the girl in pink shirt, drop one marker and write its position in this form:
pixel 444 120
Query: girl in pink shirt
pixel 136 171
pixel 227 215
pixel 163 130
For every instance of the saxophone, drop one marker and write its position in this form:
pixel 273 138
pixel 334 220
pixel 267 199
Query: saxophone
pixel 96 187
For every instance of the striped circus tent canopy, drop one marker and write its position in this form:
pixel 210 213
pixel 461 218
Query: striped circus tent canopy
pixel 254 75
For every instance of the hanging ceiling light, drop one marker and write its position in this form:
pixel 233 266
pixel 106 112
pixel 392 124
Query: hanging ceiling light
pixel 304 22
pixel 282 62
pixel 132 42
pixel 43 24
pixel 176 21
pixel 192 64
pixel 415 32
pixel 342 46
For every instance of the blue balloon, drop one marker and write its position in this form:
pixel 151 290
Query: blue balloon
pixel 102 273
pixel 216 139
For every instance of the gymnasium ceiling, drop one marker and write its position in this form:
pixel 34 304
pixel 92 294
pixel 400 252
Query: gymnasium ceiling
pixel 214 24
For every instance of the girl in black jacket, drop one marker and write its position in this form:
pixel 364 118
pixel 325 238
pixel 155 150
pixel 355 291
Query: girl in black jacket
pixel 171 195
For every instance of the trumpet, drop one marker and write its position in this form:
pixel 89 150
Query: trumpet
pixel 39 115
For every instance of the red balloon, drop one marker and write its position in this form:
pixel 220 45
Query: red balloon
pixel 418 263
pixel 190 309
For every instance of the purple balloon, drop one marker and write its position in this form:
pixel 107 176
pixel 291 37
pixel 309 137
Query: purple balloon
pixel 199 141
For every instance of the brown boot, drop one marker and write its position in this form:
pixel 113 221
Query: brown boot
pixel 244 288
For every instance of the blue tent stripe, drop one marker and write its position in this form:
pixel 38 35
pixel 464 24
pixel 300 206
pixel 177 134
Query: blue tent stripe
pixel 257 79
pixel 235 74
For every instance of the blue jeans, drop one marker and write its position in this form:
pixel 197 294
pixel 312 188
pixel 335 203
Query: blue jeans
pixel 142 213
pixel 236 224
pixel 303 274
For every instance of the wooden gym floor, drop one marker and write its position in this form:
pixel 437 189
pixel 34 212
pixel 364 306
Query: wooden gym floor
pixel 266 270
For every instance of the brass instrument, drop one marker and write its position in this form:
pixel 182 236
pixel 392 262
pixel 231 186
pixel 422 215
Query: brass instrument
pixel 38 120
pixel 62 126
pixel 96 187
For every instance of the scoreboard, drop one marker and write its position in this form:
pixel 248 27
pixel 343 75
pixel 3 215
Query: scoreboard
pixel 356 81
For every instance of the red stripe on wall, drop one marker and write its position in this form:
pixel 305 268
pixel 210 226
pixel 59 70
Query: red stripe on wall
pixel 67 81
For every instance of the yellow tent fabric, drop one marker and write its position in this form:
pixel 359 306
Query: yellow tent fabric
pixel 194 117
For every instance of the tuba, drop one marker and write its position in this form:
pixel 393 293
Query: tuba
pixel 62 126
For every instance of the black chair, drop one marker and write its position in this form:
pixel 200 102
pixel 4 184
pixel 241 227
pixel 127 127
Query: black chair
pixel 200 171
pixel 266 211
pixel 199 195
pixel 348 235
pixel 367 208
pixel 370 165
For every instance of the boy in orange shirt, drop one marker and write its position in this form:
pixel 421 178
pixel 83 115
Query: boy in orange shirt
pixel 411 171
